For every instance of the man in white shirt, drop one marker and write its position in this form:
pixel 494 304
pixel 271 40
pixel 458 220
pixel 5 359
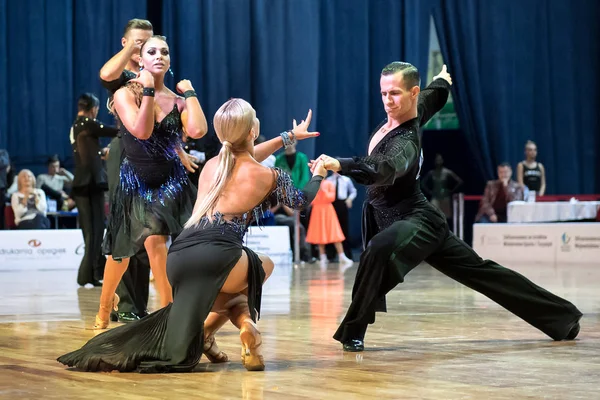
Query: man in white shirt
pixel 345 195
pixel 53 183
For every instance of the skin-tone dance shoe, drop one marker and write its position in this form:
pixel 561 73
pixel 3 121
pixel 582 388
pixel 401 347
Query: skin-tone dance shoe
pixel 252 358
pixel 101 323
pixel 212 352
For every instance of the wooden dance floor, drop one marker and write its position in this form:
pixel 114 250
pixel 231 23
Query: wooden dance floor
pixel 439 340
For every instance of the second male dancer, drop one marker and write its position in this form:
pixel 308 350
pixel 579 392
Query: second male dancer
pixel 134 286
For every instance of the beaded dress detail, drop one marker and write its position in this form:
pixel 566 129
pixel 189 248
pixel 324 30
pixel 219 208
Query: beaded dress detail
pixel 155 195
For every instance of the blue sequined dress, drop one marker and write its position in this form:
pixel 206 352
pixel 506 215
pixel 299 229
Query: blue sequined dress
pixel 155 195
pixel 200 260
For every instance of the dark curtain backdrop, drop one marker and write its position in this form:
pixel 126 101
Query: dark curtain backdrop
pixel 52 51
pixel 522 70
pixel 288 56
pixel 527 69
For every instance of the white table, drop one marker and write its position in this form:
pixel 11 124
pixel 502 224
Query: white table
pixel 520 211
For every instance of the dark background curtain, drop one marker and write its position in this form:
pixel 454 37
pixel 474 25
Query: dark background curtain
pixel 527 69
pixel 288 56
pixel 51 52
pixel 522 70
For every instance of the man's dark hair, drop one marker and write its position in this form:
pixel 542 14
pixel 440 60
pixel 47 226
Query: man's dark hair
pixel 410 73
pixel 504 164
pixel 87 101
pixel 137 23
pixel 52 159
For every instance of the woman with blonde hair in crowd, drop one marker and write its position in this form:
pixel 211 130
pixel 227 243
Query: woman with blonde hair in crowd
pixel 208 265
pixel 29 203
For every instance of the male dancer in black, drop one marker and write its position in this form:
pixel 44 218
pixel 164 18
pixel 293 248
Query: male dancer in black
pixel 134 286
pixel 401 228
pixel 89 185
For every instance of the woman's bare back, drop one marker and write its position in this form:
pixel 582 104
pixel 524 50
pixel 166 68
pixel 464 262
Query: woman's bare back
pixel 248 185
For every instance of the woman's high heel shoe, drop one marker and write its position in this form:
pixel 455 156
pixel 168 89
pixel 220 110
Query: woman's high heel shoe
pixel 212 352
pixel 101 323
pixel 251 339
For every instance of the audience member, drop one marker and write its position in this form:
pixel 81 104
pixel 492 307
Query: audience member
pixel 497 195
pixel 531 173
pixel 440 184
pixel 345 193
pixel 324 227
pixel 53 184
pixel 29 203
pixel 270 161
pixel 295 163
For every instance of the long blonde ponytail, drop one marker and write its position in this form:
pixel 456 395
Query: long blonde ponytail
pixel 233 122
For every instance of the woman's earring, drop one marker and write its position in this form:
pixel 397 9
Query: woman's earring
pixel 171 72
pixel 141 67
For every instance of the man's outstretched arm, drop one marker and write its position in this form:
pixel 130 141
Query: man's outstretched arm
pixel 434 96
pixel 377 169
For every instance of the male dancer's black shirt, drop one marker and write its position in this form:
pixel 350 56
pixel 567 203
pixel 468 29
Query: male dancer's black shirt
pixel 85 141
pixel 392 170
pixel 115 85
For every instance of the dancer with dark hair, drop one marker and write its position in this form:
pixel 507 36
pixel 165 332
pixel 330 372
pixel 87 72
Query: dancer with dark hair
pixel 133 287
pixel 155 196
pixel 401 228
pixel 208 265
pixel 89 184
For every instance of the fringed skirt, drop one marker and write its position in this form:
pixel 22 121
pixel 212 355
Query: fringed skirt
pixel 171 339
pixel 153 200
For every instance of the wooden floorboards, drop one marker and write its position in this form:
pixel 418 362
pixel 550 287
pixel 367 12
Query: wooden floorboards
pixel 439 340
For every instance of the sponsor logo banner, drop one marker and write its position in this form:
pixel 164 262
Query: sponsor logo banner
pixel 565 243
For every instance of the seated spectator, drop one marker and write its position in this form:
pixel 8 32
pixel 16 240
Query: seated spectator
pixel 497 195
pixel 267 219
pixel 284 216
pixel 53 184
pixel 270 161
pixel 295 163
pixel 530 172
pixel 29 203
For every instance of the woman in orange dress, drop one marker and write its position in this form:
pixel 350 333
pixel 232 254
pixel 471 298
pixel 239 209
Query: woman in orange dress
pixel 324 227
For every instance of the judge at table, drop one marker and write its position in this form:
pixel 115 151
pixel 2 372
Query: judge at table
pixel 497 195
